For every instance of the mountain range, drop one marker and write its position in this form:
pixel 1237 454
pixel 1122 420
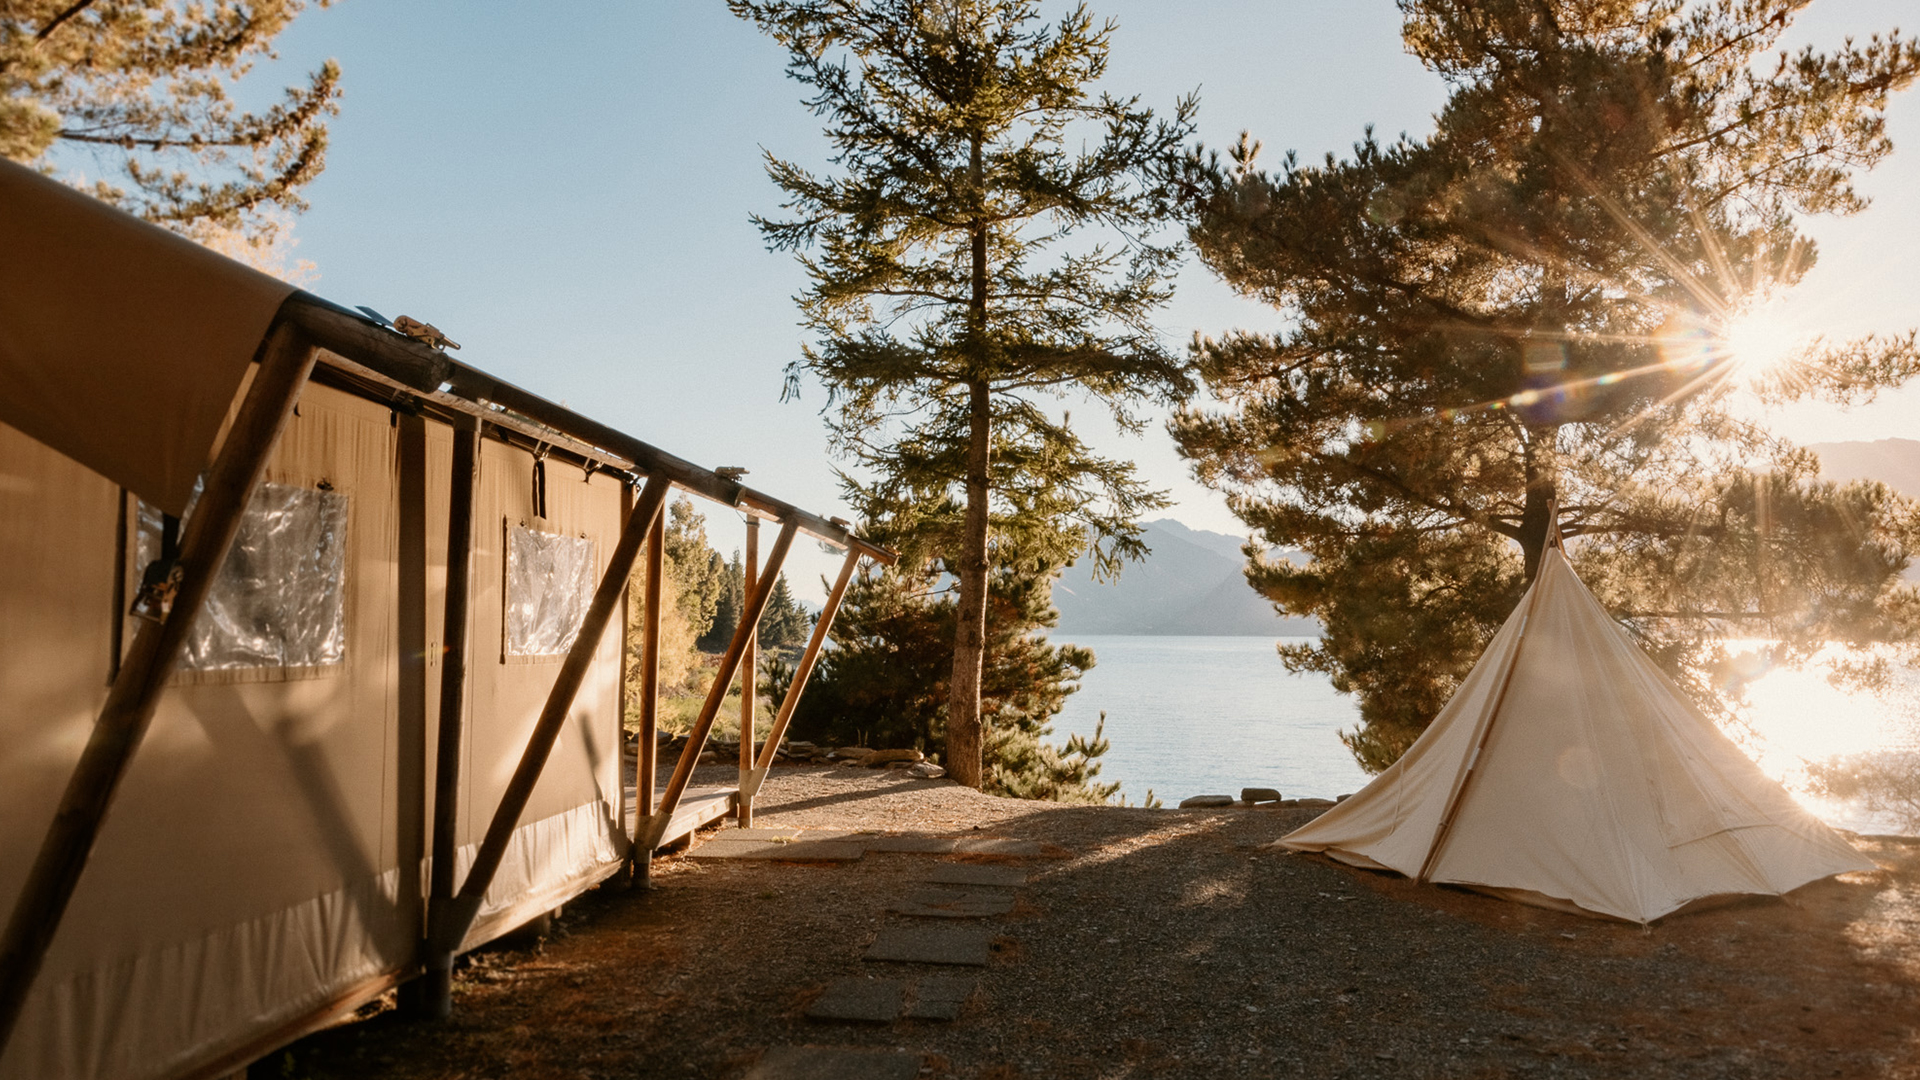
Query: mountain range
pixel 1193 581
pixel 1191 584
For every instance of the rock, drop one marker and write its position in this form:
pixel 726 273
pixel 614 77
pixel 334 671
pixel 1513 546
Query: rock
pixel 1343 798
pixel 1314 804
pixel 707 757
pixel 1259 795
pixel 888 757
pixel 1199 801
pixel 798 748
pixel 926 770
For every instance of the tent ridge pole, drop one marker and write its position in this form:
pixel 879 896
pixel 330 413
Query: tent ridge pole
pixel 286 360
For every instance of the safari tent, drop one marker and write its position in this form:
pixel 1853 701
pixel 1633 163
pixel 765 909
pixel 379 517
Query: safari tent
pixel 1568 771
pixel 304 652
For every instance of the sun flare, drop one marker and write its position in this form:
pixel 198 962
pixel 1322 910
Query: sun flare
pixel 1759 339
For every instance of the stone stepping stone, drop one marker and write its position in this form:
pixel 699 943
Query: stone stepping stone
pixel 875 1001
pixel 834 1063
pixel 915 845
pixel 955 903
pixel 796 851
pixel 989 846
pixel 960 945
pixel 1000 877
pixel 757 834
pixel 939 997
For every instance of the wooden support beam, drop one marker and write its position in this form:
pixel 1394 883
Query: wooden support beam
pixel 750 786
pixel 755 606
pixel 412 828
pixel 648 762
pixel 566 686
pixel 435 998
pixel 743 803
pixel 286 360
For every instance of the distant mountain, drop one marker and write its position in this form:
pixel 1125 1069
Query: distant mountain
pixel 1191 585
pixel 1893 462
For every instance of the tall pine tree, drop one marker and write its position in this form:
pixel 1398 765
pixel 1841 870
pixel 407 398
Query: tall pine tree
pixel 958 278
pixel 146 84
pixel 1534 303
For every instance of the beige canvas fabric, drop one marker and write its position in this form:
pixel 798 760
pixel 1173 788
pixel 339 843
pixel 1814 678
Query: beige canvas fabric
pixel 260 868
pixel 121 344
pixel 1599 787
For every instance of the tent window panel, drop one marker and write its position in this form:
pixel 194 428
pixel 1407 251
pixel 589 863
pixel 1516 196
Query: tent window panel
pixel 550 583
pixel 281 598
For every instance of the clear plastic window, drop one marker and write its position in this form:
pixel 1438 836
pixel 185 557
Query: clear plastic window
pixel 550 583
pixel 281 598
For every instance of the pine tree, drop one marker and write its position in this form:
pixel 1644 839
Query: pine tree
pixel 729 601
pixel 960 280
pixel 146 83
pixel 884 683
pixel 784 627
pixel 1532 304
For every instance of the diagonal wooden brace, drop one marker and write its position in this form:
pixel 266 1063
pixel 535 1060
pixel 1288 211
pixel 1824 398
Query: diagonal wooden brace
pixel 460 911
pixel 805 670
pixel 286 360
pixel 654 828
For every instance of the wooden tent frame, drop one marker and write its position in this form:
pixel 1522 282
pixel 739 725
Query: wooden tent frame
pixel 313 339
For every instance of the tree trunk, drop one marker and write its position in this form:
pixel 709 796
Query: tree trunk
pixel 965 732
pixel 1533 517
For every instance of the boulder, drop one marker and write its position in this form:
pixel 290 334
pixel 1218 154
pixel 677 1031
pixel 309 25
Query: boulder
pixel 707 757
pixel 1259 795
pixel 926 770
pixel 888 757
pixel 1343 798
pixel 1200 801
pixel 1314 804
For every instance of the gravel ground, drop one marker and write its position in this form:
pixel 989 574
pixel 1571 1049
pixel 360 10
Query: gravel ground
pixel 1168 944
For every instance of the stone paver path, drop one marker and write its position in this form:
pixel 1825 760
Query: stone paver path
pixel 957 890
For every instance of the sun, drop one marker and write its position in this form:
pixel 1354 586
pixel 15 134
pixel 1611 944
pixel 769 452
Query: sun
pixel 1759 339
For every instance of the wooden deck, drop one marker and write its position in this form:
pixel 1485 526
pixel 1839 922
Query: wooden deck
pixel 700 806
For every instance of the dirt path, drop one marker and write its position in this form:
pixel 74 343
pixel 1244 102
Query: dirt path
pixel 1169 944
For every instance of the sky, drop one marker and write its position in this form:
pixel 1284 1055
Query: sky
pixel 565 190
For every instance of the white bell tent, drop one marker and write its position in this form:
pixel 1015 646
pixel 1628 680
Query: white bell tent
pixel 1569 772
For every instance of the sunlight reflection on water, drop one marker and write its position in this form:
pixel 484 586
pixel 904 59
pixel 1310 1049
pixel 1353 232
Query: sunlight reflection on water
pixel 1210 715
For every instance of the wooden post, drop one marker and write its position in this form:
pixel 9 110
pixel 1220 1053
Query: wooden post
pixel 805 670
pixel 435 998
pixel 648 762
pixel 412 832
pixel 573 671
pixel 286 360
pixel 755 606
pixel 743 804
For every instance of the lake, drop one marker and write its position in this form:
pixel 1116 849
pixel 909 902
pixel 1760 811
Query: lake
pixel 1211 715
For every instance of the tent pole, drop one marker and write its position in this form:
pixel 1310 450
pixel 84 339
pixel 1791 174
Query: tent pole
pixel 743 805
pixel 286 360
pixel 435 998
pixel 805 669
pixel 1460 784
pixel 460 911
pixel 755 606
pixel 648 762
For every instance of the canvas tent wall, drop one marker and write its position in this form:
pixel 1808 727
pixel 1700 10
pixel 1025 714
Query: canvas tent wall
pixel 263 863
pixel 1568 771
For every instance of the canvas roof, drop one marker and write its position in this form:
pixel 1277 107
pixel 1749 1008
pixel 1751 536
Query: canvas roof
pixel 121 344
pixel 1577 775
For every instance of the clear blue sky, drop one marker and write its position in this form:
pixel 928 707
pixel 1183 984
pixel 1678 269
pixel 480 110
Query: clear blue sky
pixel 564 189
